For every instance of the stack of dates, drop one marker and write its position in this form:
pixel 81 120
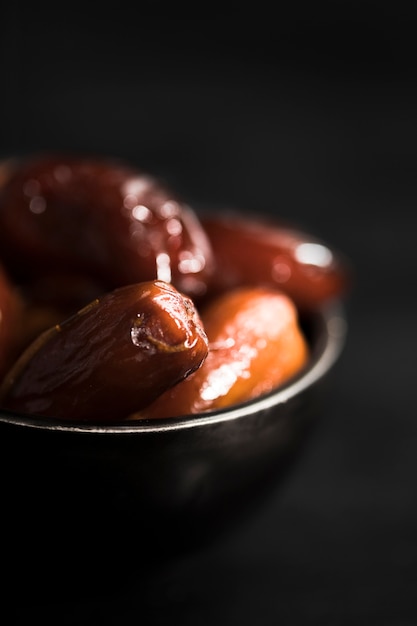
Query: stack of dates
pixel 120 302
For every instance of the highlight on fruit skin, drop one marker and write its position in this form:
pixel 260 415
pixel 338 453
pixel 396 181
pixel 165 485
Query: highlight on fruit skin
pixel 128 225
pixel 221 295
pixel 115 356
pixel 255 345
pixel 259 251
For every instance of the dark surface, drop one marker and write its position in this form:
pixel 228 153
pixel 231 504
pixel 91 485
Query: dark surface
pixel 313 119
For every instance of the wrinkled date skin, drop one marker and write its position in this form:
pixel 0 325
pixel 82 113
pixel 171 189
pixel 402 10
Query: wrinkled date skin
pixel 100 219
pixel 251 251
pixel 113 357
pixel 255 345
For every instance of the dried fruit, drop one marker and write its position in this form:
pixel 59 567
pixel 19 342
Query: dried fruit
pixel 255 345
pixel 113 357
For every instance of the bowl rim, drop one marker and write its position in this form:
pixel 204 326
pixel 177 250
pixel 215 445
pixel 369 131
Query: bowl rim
pixel 325 354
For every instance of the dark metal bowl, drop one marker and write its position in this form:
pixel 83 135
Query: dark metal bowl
pixel 153 487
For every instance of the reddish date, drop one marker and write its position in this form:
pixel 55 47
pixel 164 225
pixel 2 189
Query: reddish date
pixel 250 251
pixel 113 357
pixel 255 345
pixel 101 219
pixel 77 230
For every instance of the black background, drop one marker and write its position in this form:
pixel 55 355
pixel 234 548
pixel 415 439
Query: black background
pixel 310 114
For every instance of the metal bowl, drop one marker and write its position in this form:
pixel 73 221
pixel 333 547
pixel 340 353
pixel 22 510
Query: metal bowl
pixel 154 487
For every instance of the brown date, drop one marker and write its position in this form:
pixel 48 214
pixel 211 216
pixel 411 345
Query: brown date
pixel 113 357
pixel 251 251
pixel 255 345
pixel 98 218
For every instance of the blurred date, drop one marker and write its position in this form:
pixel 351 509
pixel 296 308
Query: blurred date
pixel 98 218
pixel 11 314
pixel 250 251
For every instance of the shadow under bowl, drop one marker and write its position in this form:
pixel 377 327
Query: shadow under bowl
pixel 143 490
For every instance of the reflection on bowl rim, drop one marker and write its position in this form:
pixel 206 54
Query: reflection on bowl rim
pixel 335 326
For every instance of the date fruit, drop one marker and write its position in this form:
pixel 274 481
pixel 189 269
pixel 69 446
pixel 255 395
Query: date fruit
pixel 255 345
pixel 252 251
pixel 113 357
pixel 101 219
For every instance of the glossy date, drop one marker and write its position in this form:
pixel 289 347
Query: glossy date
pixel 187 313
pixel 255 345
pixel 251 251
pixel 113 357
